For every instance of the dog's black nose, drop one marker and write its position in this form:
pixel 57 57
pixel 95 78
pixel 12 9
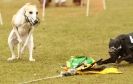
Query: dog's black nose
pixel 35 22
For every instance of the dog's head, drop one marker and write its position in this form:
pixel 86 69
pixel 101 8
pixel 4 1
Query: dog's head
pixel 114 46
pixel 31 14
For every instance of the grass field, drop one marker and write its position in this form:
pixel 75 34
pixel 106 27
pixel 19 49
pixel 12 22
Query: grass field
pixel 66 32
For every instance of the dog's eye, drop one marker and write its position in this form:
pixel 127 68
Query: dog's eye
pixel 30 12
pixel 37 13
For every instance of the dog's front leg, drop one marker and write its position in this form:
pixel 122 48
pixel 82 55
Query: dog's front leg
pixel 27 39
pixel 19 50
pixel 30 46
pixel 11 46
pixel 12 52
pixel 112 59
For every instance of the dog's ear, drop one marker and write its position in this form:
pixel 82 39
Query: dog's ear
pixel 26 5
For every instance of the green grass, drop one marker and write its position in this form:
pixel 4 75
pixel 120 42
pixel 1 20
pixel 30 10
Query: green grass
pixel 66 32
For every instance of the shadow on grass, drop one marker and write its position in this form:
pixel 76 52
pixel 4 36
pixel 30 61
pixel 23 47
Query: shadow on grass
pixel 124 64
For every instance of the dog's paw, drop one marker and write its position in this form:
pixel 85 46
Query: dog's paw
pixel 11 59
pixel 32 60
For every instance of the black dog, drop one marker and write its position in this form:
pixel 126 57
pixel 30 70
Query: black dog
pixel 120 48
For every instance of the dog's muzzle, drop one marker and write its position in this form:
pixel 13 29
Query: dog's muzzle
pixel 112 50
pixel 37 21
pixel 32 21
